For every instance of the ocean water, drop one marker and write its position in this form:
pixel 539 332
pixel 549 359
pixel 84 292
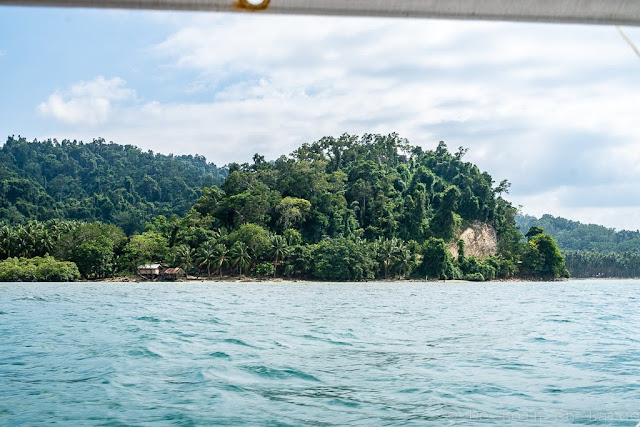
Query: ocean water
pixel 186 354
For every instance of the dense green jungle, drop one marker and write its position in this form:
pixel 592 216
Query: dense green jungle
pixel 341 208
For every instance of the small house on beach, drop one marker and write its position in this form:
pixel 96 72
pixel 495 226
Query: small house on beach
pixel 174 274
pixel 149 270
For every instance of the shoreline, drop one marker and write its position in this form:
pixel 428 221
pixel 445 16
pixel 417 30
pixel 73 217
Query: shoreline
pixel 230 279
pixel 234 279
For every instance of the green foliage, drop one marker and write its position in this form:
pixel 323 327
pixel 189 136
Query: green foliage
pixel 255 238
pixel 533 231
pixel 40 269
pixel 183 256
pixel 300 261
pixel 293 237
pixel 144 248
pixel 239 256
pixel 97 181
pixel 292 211
pixel 393 256
pixel 343 259
pixel 461 250
pixel 370 186
pixel 347 208
pixel 222 257
pixel 542 258
pixel 436 260
pixel 265 269
pixel 444 222
pixel 279 250
pixel 92 247
pixel 32 239
pixel 472 268
pixel 207 204
pixel 474 277
pixel 603 264
pixel 575 236
pixel 207 256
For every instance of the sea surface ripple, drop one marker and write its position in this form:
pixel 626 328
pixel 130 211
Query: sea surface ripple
pixel 408 353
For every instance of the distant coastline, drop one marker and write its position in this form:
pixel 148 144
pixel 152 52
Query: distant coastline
pixel 235 279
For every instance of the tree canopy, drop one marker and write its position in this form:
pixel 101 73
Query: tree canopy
pixel 98 181
pixel 345 208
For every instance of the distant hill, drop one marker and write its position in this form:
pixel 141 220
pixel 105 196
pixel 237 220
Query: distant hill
pixel 574 235
pixel 108 182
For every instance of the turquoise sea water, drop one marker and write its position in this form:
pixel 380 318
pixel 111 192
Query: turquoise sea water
pixel 320 353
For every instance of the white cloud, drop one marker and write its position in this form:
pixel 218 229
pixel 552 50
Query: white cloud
pixel 549 107
pixel 87 102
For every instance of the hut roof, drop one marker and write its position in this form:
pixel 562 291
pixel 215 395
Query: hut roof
pixel 176 270
pixel 148 267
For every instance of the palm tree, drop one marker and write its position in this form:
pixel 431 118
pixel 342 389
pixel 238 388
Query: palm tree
pixel 37 242
pixel 387 250
pixel 222 257
pixel 7 241
pixel 45 242
pixel 183 256
pixel 240 256
pixel 22 243
pixel 207 256
pixel 279 249
pixel 405 263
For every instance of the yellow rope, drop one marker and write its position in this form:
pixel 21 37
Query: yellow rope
pixel 633 46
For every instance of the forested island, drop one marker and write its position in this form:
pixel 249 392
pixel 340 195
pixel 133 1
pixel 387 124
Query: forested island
pixel 345 208
pixel 591 250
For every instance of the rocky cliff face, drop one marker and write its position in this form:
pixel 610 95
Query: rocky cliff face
pixel 480 241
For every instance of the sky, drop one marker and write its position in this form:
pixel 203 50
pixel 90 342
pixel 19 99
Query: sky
pixel 552 108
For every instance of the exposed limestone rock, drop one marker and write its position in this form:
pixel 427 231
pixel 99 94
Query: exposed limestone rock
pixel 480 241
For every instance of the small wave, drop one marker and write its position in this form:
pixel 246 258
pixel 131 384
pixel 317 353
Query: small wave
pixel 144 352
pixel 328 340
pixel 410 390
pixel 311 337
pixel 79 380
pixel 179 418
pixel 149 319
pixel 237 342
pixel 267 372
pixel 515 366
pixel 231 387
pixel 31 298
pixel 153 319
pixel 342 402
pixel 486 389
pixel 220 355
pixel 610 317
pixel 190 378
pixel 183 334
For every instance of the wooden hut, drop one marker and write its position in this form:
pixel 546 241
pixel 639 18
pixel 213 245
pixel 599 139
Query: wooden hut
pixel 149 271
pixel 174 273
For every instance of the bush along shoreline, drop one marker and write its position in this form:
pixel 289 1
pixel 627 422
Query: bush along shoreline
pixel 38 269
